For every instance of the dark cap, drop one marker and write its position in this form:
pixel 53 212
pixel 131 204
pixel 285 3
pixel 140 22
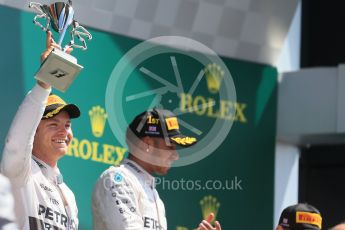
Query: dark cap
pixel 300 217
pixel 160 123
pixel 55 105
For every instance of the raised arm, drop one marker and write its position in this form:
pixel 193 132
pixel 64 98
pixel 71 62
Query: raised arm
pixel 16 160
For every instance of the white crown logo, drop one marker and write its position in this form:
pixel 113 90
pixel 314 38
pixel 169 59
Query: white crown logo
pixel 214 75
pixel 98 118
pixel 209 204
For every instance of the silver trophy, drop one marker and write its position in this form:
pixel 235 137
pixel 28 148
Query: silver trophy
pixel 60 69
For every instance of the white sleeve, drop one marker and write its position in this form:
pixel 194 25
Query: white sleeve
pixel 115 204
pixel 16 159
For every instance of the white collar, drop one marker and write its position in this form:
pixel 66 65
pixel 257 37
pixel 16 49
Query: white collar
pixel 136 168
pixel 53 174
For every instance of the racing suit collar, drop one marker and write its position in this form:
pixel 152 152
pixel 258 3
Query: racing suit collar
pixel 136 168
pixel 53 174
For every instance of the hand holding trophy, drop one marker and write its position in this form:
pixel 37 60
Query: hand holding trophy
pixel 59 69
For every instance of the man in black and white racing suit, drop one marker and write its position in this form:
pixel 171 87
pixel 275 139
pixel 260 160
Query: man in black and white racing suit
pixel 38 137
pixel 129 200
pixel 125 197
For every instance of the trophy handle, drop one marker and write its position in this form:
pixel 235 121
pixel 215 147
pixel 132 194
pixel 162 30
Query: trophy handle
pixel 80 32
pixel 38 7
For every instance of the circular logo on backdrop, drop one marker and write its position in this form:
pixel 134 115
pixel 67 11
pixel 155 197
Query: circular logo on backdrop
pixel 177 74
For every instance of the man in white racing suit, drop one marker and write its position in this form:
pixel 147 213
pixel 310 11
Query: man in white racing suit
pixel 38 137
pixel 125 197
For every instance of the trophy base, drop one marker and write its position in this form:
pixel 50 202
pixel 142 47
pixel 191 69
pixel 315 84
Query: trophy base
pixel 59 70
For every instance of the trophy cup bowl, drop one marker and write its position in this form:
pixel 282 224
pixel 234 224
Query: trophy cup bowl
pixel 59 69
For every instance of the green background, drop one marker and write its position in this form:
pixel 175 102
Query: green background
pixel 247 153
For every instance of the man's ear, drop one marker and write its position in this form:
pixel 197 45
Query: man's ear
pixel 147 140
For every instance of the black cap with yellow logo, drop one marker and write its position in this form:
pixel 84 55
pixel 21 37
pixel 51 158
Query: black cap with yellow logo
pixel 55 105
pixel 301 217
pixel 160 123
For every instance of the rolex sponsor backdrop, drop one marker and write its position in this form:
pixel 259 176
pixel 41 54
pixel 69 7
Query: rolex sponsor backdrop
pixel 235 181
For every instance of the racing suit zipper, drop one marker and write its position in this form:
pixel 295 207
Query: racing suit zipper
pixel 157 209
pixel 66 207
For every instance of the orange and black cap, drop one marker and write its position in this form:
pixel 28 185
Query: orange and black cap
pixel 301 217
pixel 160 123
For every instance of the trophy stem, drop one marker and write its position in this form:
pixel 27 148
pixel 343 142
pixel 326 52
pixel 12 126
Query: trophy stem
pixel 62 35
